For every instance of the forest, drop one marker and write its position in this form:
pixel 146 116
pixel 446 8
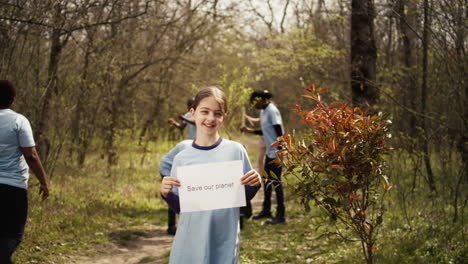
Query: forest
pixel 98 80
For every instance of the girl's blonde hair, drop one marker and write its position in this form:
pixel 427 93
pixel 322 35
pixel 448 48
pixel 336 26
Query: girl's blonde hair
pixel 214 91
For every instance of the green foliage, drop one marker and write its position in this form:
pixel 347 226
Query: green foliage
pixel 339 166
pixel 235 85
pixel 300 52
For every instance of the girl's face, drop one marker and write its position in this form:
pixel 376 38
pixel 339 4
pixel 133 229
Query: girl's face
pixel 208 116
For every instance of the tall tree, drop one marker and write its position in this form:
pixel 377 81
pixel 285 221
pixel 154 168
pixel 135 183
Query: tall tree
pixel 62 19
pixel 424 88
pixel 363 53
pixel 406 24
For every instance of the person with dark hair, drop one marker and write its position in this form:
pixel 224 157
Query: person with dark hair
pixel 271 128
pixel 17 155
pixel 187 121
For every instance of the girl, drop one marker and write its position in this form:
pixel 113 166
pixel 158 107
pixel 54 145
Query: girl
pixel 208 236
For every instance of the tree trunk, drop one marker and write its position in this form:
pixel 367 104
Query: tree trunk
pixel 46 118
pixel 363 54
pixel 406 21
pixel 424 138
pixel 78 125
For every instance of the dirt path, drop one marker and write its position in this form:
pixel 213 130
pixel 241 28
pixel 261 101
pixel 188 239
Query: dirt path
pixel 149 243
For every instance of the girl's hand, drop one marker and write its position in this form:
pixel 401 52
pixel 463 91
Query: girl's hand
pixel 251 178
pixel 166 185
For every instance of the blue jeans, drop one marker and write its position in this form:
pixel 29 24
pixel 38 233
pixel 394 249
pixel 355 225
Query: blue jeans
pixel 14 211
pixel 273 181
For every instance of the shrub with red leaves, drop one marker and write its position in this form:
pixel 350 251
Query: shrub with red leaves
pixel 338 165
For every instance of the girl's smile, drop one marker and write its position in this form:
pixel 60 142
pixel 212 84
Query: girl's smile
pixel 208 118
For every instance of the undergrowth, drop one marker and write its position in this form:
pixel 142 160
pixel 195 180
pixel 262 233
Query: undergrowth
pixel 86 204
pixel 89 207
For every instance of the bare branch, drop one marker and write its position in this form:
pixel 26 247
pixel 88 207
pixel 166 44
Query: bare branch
pixel 269 24
pixel 285 10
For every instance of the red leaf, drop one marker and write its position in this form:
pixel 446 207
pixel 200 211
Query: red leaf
pixel 308 96
pixel 354 197
pixel 275 144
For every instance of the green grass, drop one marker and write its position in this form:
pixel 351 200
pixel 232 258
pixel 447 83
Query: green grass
pixel 87 204
pixel 91 208
pixel 429 240
pixel 295 242
pixel 146 260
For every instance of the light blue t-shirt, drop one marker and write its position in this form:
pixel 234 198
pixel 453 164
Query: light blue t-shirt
pixel 165 164
pixel 269 117
pixel 15 132
pixel 192 129
pixel 208 237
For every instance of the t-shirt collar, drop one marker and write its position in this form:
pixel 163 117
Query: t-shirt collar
pixel 208 147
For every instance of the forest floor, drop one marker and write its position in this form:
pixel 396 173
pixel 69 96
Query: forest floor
pixel 144 244
pixel 100 216
pixel 147 243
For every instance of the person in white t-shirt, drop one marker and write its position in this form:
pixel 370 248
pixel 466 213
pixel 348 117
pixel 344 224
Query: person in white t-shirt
pixel 17 155
pixel 271 128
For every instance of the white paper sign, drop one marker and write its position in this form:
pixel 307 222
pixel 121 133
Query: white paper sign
pixel 211 186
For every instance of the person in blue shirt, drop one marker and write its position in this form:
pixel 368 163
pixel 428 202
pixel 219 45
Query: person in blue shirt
pixel 271 128
pixel 208 237
pixel 165 166
pixel 17 155
pixel 187 121
pixel 166 161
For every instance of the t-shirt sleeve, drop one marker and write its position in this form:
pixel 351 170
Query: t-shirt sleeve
pixel 25 134
pixel 175 189
pixel 165 164
pixel 274 118
pixel 245 160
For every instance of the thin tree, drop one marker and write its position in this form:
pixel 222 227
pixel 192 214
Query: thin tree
pixel 424 138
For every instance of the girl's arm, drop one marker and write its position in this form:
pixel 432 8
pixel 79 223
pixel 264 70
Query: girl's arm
pixel 252 181
pixel 170 197
pixel 172 200
pixel 250 192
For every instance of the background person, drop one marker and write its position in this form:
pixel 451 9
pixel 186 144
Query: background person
pixel 187 121
pixel 271 128
pixel 17 152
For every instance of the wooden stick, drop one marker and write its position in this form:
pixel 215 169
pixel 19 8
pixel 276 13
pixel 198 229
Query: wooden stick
pixel 243 117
